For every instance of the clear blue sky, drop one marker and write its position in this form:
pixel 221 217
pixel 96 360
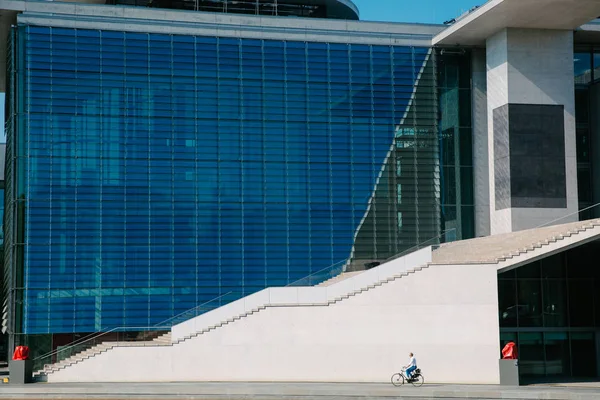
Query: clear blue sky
pixel 426 11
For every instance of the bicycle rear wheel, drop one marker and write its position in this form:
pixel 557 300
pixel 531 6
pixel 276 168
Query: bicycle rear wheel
pixel 397 379
pixel 418 380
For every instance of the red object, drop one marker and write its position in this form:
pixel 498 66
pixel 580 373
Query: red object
pixel 21 353
pixel 509 352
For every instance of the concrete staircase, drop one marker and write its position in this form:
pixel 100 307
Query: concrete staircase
pixel 162 340
pixel 507 247
pixel 341 278
pixel 335 290
pixel 499 249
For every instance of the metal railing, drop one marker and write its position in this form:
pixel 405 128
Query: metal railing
pixel 198 310
pixel 551 222
pixel 145 335
pixel 421 245
pixel 321 276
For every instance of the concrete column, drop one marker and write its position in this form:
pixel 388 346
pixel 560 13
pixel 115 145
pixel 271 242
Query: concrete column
pixel 481 169
pixel 531 129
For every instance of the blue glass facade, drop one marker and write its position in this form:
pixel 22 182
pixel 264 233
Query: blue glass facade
pixel 156 172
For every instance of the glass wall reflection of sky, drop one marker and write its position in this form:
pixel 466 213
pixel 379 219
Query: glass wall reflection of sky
pixel 164 171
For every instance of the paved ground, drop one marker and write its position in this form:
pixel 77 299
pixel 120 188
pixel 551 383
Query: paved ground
pixel 291 391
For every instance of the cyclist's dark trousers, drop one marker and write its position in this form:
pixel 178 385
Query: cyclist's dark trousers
pixel 410 370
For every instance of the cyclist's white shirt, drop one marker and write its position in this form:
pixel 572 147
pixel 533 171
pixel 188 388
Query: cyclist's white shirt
pixel 413 362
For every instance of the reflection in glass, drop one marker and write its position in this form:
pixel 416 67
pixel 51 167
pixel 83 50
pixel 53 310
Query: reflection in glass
pixel 583 353
pixel 553 267
pixel 555 303
pixel 529 309
pixel 557 353
pixel 507 291
pixel 583 68
pixel 584 184
pixel 569 284
pixel 529 271
pixel 155 186
pixel 506 337
pixel 531 354
pixel 455 141
pixel 582 108
pixel 597 65
pixel 581 303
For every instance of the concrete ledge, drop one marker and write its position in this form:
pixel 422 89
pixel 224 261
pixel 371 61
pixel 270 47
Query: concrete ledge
pixel 180 22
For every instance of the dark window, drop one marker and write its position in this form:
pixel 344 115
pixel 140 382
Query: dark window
pixel 557 355
pixel 566 285
pixel 582 110
pixel 583 350
pixel 529 152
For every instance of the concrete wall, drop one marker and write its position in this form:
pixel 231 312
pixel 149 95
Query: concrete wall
pixel 497 96
pixel 541 71
pixel 446 315
pixel 532 67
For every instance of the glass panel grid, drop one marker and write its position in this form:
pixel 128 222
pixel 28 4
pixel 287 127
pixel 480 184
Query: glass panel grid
pixel 164 171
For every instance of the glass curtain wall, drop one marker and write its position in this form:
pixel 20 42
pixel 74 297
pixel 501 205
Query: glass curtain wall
pixel 551 309
pixel 456 144
pixel 12 275
pixel 158 172
pixel 403 212
pixel 587 107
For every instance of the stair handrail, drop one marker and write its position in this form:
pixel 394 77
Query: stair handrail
pixel 73 343
pixel 159 326
pixel 97 335
pixel 193 309
pixel 318 272
pixel 418 246
pixel 100 333
pixel 568 215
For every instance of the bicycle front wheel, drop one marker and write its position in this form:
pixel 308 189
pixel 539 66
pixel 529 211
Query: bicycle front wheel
pixel 397 379
pixel 418 381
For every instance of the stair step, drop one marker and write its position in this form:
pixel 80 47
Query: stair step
pixel 166 339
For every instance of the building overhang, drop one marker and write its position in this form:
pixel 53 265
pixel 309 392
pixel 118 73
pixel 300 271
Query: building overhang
pixel 496 15
pixel 588 33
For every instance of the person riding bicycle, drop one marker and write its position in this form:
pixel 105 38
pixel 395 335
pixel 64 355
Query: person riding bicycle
pixel 412 366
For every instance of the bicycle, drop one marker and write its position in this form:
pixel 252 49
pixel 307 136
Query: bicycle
pixel 417 378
